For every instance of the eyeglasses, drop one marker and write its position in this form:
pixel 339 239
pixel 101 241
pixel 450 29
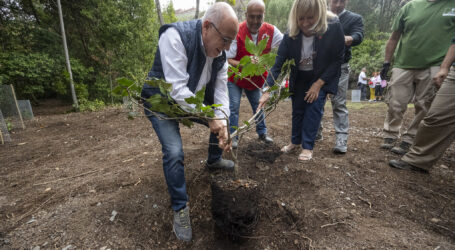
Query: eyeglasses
pixel 226 40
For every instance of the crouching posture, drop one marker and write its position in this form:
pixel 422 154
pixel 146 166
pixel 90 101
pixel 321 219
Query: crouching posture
pixel 191 56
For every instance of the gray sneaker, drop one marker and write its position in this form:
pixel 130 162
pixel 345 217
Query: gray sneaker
pixel 340 146
pixel 235 143
pixel 182 224
pixel 221 164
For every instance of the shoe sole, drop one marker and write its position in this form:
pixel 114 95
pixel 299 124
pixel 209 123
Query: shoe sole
pixel 398 151
pixel 339 151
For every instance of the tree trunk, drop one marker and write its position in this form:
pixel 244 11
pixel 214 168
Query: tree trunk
pixel 196 16
pixel 158 10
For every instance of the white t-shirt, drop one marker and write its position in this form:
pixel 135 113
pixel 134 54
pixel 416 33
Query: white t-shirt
pixel 306 58
pixel 362 75
pixel 276 40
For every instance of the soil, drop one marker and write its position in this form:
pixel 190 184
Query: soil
pixel 95 180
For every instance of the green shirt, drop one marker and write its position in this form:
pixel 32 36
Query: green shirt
pixel 426 31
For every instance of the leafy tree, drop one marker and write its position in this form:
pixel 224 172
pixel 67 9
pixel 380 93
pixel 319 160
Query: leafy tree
pixel 277 12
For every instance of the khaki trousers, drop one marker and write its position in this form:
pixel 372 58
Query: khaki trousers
pixel 437 131
pixel 405 85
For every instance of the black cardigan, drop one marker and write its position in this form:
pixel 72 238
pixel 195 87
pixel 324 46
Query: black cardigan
pixel 327 63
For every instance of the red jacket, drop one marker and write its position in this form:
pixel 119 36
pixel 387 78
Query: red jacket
pixel 266 30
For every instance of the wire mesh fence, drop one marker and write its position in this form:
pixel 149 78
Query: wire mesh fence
pixel 10 107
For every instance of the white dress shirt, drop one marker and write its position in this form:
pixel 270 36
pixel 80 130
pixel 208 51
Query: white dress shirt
pixel 276 40
pixel 175 60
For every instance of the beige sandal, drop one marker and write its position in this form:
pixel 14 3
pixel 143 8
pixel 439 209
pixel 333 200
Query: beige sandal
pixel 289 148
pixel 306 155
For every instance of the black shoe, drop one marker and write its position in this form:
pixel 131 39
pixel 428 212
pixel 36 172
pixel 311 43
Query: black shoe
pixel 265 138
pixel 401 149
pixel 406 166
pixel 388 143
pixel 221 164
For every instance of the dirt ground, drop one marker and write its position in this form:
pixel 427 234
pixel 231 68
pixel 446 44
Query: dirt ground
pixel 95 181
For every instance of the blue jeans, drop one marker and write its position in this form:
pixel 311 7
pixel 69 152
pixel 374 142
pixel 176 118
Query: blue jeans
pixel 235 95
pixel 306 117
pixel 168 132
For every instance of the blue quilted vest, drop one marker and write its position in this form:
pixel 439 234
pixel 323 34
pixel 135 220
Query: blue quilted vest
pixel 190 34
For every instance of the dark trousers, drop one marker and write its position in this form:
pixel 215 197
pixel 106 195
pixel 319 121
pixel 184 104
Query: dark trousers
pixel 378 90
pixel 363 91
pixel 168 132
pixel 306 117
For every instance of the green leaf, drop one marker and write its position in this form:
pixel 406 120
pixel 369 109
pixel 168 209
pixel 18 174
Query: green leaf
pixel 250 46
pixel 187 122
pixel 124 82
pixel 245 60
pixel 261 46
pixel 246 123
pixel 217 105
pixel 235 127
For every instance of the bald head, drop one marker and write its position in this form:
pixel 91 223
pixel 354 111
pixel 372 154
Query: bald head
pixel 259 3
pixel 219 11
pixel 219 28
pixel 254 15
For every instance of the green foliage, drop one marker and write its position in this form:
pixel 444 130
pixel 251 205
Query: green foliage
pixel 95 105
pixel 162 104
pixel 369 54
pixel 277 12
pixel 106 40
pixel 169 14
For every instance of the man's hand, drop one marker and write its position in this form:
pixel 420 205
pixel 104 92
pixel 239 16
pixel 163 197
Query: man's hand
pixel 313 93
pixel 439 78
pixel 218 127
pixel 385 70
pixel 348 40
pixel 263 100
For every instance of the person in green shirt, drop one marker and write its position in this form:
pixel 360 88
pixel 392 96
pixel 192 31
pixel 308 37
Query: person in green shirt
pixel 437 130
pixel 421 35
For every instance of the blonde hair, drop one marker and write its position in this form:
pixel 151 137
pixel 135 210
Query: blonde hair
pixel 303 7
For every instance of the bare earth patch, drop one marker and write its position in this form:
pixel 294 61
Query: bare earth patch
pixel 94 180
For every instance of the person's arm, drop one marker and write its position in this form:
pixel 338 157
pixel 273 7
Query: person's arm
pixel 174 61
pixel 390 47
pixel 356 35
pixel 221 95
pixel 333 68
pixel 439 78
pixel 232 53
pixel 277 37
pixel 282 56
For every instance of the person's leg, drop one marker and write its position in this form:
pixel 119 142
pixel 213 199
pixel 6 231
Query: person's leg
pixel 425 92
pixel 171 144
pixel 312 118
pixel 372 97
pixel 399 93
pixel 168 133
pixel 253 97
pixel 340 111
pixel 437 131
pixel 235 94
pixel 298 111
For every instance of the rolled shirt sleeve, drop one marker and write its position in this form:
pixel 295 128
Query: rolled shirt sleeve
pixel 221 93
pixel 277 37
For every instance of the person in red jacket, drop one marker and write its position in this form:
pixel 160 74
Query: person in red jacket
pixel 257 30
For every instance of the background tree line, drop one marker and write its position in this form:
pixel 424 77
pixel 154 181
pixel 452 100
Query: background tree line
pixel 111 39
